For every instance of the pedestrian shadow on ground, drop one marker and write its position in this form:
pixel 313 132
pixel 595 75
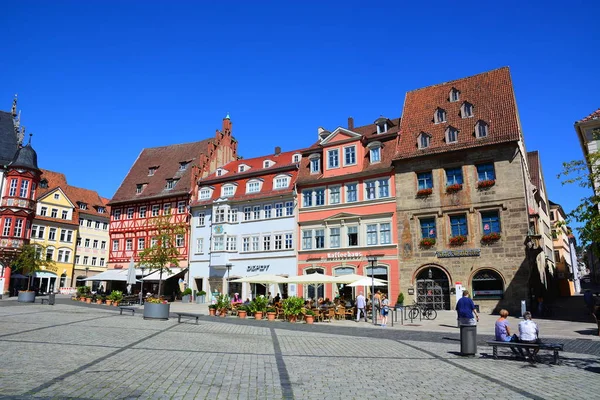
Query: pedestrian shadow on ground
pixel 588 332
pixel 451 339
pixel 547 360
pixel 449 326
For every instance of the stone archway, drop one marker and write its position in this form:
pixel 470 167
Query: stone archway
pixel 433 287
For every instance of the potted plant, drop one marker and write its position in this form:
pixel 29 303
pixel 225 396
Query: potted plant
pixel 242 311
pixel 271 313
pixel 200 297
pixel 490 238
pixel 28 261
pixel 185 295
pixel 458 240
pixel 100 299
pixel 83 297
pixel 259 306
pixel 309 316
pixel 424 192
pixel 212 309
pixel 160 257
pixel 108 301
pixel 223 303
pixel 116 296
pixel 426 243
pixel 454 188
pixel 292 307
pixel 400 300
pixel 486 184
pixel 88 299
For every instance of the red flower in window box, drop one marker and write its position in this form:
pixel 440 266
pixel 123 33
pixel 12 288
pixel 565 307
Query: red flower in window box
pixel 427 242
pixel 424 192
pixel 490 238
pixel 454 188
pixel 488 183
pixel 458 240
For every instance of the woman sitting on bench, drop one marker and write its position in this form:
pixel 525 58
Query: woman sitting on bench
pixel 529 332
pixel 502 328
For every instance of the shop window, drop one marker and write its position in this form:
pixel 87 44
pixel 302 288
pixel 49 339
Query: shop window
pixel 487 284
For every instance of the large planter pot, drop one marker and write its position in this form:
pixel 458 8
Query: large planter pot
pixel 223 313
pixel 156 311
pixel 88 300
pixel 200 299
pixel 82 299
pixel 26 297
pixel 271 316
pixel 98 301
pixel 212 312
pixel 109 302
pixel 185 299
pixel 309 319
pixel 242 314
pixel 292 318
pixel 258 315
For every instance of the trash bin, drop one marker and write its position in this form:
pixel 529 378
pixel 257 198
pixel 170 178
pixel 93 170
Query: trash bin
pixel 468 340
pixel 51 299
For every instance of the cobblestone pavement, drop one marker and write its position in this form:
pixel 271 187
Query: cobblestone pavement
pixel 72 352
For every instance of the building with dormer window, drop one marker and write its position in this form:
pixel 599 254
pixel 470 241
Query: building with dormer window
pixel 243 224
pixel 347 207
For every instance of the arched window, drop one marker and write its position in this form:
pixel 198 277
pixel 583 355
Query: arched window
pixel 379 272
pixel 439 116
pixel 314 291
pixel 343 290
pixel 487 284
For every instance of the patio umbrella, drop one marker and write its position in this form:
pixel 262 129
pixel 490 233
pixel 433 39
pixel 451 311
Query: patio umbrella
pixel 349 278
pixel 312 279
pixel 263 279
pixel 367 282
pixel 131 280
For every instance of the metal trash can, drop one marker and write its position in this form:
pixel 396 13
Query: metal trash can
pixel 468 340
pixel 51 299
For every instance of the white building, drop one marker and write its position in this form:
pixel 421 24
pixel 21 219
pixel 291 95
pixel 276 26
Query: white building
pixel 243 224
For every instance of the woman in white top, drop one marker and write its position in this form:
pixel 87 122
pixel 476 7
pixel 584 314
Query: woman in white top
pixel 529 332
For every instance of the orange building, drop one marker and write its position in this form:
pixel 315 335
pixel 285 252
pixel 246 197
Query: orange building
pixel 347 207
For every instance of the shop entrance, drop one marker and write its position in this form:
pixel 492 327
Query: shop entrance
pixel 433 288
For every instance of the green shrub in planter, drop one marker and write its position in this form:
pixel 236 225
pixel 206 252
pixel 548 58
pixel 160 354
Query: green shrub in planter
pixel 292 306
pixel 400 300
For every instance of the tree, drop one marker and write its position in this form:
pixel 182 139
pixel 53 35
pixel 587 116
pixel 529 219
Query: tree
pixel 30 260
pixel 164 252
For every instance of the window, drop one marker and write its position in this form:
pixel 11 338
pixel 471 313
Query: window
pixel 353 236
pixel 384 188
pixel 334 237
pixel 351 192
pixel 466 110
pixel 81 221
pixel 167 209
pixel 487 284
pixel 278 242
pixel 458 225
pixel 138 188
pixel 228 190
pixel 201 219
pixel 289 241
pixel 319 238
pixel 428 228
pixel 267 208
pixel 289 208
pixel 141 244
pixel 88 223
pixel 307 198
pixel 65 214
pixel 382 126
pixel 54 213
pixel 171 183
pixel 454 176
pixel 490 222
pixel 180 207
pixel 143 212
pixel 155 210
pixel 77 259
pixel 385 233
pixel 424 140
pixel 241 168
pixel 255 243
pixel 219 215
pixel 219 172
pixel 18 227
pixel 425 180
pixel 153 242
pixel 49 253
pixel 43 211
pixel 245 244
pixel 85 260
pixel 307 239
pixel 183 165
pixel 350 155
pixel 38 252
pixel 151 171
pixel 253 187
pixel 440 116
pixel 333 158
pixel 454 95
pixel 266 243
pixel 204 194
pixel 481 129
pixel 256 212
pixel 180 240
pixel 95 244
pixel 102 262
pixel 486 172
pixel 296 158
pixel 334 194
pixel 63 235
pixel 78 241
pixel 101 210
pixel 128 244
pixel 556 256
pixel 34 231
pixel 319 197
pixel 13 187
pixel 267 164
pixel 94 261
pixel 97 225
pixel 247 213
pixel 115 245
pixel 375 154
pixel 278 210
pixel 199 245
pixel 83 206
pixel 451 135
pixel 103 245
pixel 315 165
pixel 24 188
pixel 51 234
pixel 282 182
pixel 219 243
pixel 370 189
pixel 130 213
pixel 371 234
pixel 117 214
pixel 232 215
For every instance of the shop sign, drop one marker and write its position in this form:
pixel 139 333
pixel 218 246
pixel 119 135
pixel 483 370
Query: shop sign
pixel 347 254
pixel 259 268
pixel 458 253
pixel 50 269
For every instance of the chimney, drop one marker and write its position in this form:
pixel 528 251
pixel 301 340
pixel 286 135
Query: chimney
pixel 277 150
pixel 350 123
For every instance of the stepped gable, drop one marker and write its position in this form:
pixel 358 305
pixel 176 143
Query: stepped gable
pixel 533 160
pixel 166 160
pixel 492 97
pixel 9 143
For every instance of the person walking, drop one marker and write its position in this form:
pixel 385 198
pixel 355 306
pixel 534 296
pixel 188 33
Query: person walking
pixel 385 309
pixel 360 306
pixel 377 304
pixel 465 310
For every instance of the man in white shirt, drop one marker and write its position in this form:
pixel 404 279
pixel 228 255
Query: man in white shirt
pixel 360 306
pixel 529 332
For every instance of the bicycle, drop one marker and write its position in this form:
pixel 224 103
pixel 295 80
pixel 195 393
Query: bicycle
pixel 426 311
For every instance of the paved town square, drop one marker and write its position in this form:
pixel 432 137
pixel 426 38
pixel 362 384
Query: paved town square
pixel 85 352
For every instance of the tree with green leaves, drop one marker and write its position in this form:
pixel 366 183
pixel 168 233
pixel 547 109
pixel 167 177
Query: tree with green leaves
pixel 31 260
pixel 164 253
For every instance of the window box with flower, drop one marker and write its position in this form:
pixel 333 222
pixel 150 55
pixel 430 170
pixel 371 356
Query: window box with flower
pixel 490 238
pixel 426 243
pixel 486 184
pixel 458 240
pixel 456 187
pixel 424 192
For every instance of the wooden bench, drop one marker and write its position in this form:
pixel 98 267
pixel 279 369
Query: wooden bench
pixel 190 315
pixel 555 347
pixel 125 308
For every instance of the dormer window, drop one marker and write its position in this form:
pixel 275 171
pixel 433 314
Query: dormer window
pixel 56 196
pixel 451 135
pixel 466 110
pixel 138 188
pixel 221 172
pixel 152 171
pixel 423 140
pixel 281 182
pixel 439 116
pixel 243 167
pixel 315 163
pixel 296 158
pixel 382 125
pixel 171 183
pixel 253 186
pixel 227 190
pixel 44 183
pixel 481 129
pixel 268 163
pixel 205 193
pixel 82 206
pixel 101 210
pixel 183 165
pixel 374 152
pixel 454 95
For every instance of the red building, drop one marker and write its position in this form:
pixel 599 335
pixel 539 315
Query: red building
pixel 161 183
pixel 347 206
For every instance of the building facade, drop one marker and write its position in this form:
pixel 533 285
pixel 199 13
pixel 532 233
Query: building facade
pixel 347 208
pixel 465 196
pixel 567 270
pixel 244 224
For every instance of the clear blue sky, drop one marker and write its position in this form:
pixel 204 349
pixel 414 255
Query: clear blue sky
pixel 100 80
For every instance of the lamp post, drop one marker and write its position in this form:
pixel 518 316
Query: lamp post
pixel 142 286
pixel 228 266
pixel 373 261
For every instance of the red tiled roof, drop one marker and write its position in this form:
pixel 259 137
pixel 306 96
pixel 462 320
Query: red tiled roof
pixel 533 159
pixel 594 115
pixel 255 164
pixel 167 159
pixel 54 179
pixel 492 96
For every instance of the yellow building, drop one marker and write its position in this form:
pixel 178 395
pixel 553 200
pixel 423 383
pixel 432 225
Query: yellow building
pixel 562 250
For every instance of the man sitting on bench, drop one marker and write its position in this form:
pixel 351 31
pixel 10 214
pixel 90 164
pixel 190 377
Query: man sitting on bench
pixel 529 333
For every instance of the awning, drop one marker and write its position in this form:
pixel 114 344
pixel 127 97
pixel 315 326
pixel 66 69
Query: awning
pixel 45 275
pixel 155 276
pixel 110 275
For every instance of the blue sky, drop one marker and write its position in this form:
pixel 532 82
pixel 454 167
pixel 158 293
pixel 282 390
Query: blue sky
pixel 99 81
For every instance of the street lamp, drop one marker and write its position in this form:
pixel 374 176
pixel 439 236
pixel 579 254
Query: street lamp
pixel 228 266
pixel 373 261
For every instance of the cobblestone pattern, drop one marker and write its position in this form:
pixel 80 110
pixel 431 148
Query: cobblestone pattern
pixel 95 355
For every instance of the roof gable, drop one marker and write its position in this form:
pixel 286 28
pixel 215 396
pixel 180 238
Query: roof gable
pixel 340 134
pixel 63 199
